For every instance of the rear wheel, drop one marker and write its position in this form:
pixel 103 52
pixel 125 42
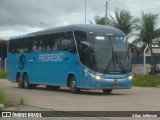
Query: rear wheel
pixel 73 86
pixel 107 91
pixel 26 82
pixel 20 81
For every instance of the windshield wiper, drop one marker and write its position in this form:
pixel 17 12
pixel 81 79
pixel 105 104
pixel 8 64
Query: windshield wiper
pixel 109 64
pixel 115 59
pixel 120 63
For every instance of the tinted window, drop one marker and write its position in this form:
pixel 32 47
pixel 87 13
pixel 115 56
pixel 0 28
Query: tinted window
pixel 67 41
pixel 55 42
pixel 83 50
pixel 20 46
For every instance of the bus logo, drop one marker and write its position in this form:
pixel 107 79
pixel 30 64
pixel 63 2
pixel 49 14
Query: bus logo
pixel 22 61
pixel 50 57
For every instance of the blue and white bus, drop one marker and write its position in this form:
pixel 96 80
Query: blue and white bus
pixel 77 56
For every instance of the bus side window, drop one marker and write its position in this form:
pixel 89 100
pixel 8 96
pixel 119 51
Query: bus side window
pixel 55 42
pixel 34 46
pixel 48 44
pixel 67 42
pixel 12 46
pixel 48 48
pixel 41 47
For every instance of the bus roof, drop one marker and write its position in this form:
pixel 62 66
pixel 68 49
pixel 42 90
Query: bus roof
pixel 77 27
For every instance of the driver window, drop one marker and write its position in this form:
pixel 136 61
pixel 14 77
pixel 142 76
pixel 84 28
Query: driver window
pixel 83 49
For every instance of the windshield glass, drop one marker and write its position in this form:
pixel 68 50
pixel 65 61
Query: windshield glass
pixel 102 52
pixel 111 54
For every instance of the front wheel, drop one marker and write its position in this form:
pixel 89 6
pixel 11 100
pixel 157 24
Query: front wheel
pixel 72 85
pixel 107 91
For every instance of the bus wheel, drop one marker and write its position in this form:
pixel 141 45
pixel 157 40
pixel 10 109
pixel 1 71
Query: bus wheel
pixel 72 85
pixel 107 91
pixel 26 82
pixel 20 81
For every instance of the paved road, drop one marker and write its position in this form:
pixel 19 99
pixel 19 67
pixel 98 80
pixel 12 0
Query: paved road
pixel 135 99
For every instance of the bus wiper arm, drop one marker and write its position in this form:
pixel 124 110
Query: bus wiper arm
pixel 111 60
pixel 120 63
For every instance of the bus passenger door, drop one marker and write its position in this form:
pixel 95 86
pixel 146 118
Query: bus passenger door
pixel 67 47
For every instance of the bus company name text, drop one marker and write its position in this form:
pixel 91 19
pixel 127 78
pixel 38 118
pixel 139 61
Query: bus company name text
pixel 50 57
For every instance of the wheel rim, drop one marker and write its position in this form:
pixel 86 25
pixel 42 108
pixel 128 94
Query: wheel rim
pixel 73 86
pixel 25 81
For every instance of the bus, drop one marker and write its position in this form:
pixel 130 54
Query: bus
pixel 74 56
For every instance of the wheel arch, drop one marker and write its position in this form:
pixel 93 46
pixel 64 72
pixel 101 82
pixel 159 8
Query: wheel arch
pixel 68 78
pixel 25 73
pixel 18 73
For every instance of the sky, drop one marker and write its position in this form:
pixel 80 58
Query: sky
pixel 19 17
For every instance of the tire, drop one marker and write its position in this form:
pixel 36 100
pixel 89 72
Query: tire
pixel 73 86
pixel 52 87
pixel 107 91
pixel 26 82
pixel 20 81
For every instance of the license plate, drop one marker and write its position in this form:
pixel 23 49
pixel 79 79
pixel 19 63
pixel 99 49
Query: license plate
pixel 115 86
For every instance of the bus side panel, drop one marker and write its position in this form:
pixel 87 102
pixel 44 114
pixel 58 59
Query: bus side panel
pixel 67 66
pixel 12 66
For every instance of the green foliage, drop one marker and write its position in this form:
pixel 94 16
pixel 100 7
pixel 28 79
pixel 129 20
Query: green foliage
pixel 14 102
pixel 3 74
pixel 146 29
pixel 123 20
pixel 2 96
pixel 98 20
pixel 20 102
pixel 146 81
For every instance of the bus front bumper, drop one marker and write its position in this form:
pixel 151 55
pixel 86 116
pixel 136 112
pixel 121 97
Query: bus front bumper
pixel 115 83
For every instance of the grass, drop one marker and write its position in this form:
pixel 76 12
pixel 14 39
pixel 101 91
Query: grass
pixel 146 81
pixel 9 103
pixel 14 103
pixel 20 102
pixel 3 74
pixel 2 99
pixel 2 96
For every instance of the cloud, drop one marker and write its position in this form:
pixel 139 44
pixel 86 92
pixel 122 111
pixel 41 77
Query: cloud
pixel 32 13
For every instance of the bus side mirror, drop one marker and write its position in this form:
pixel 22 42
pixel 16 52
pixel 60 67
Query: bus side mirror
pixel 89 45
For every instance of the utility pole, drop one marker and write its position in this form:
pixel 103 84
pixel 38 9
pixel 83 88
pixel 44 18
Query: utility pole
pixel 85 12
pixel 106 17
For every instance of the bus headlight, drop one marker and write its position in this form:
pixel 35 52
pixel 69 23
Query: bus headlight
pixel 130 77
pixel 95 76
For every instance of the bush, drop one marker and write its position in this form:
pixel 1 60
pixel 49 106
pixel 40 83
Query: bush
pixel 2 96
pixel 3 74
pixel 146 81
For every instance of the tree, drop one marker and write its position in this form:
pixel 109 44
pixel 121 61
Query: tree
pixel 98 20
pixel 147 33
pixel 122 20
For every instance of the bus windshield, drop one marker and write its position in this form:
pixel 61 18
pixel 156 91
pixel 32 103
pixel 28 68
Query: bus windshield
pixel 111 54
